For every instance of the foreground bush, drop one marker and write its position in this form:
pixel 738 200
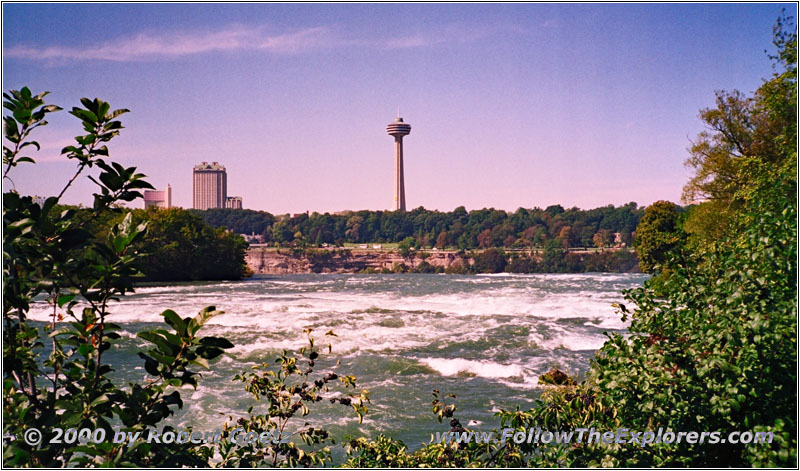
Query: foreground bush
pixel 56 375
pixel 712 344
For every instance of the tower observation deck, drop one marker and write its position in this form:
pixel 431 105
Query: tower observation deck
pixel 398 129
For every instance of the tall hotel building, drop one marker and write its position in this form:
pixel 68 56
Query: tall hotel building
pixel 210 188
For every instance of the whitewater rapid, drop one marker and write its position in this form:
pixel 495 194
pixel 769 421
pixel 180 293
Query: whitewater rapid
pixel 486 338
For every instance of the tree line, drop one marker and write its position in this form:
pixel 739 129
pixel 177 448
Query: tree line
pixel 461 229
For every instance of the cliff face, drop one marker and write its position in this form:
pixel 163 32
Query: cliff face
pixel 270 261
pixel 273 262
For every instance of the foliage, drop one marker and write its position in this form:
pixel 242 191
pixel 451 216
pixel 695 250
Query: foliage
pixel 718 353
pixel 490 261
pixel 81 275
pixel 659 235
pixel 181 247
pixel 27 113
pixel 178 245
pixel 481 228
pixel 239 221
pixel 713 349
pixel 405 246
pixel 557 260
pixel 288 392
pixel 744 133
pixel 67 384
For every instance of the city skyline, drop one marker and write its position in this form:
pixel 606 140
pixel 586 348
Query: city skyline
pixel 523 105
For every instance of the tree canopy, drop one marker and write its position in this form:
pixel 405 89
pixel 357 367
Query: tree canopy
pixel 481 228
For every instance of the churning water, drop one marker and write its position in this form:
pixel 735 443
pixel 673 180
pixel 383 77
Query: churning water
pixel 485 338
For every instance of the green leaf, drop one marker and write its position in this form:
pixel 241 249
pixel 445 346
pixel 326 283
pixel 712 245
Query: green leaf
pixel 31 143
pixel 22 115
pixel 200 319
pixel 100 400
pixel 219 342
pixel 64 299
pixel 175 321
pixel 201 362
pixel 163 344
pixel 209 353
pixel 166 360
pixel 150 365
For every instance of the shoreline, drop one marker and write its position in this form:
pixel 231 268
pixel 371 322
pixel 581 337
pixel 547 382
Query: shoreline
pixel 274 261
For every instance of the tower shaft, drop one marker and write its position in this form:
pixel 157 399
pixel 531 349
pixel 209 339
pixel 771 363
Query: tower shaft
pixel 399 181
pixel 398 129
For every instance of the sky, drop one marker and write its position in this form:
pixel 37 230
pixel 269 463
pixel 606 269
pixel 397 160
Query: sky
pixel 510 105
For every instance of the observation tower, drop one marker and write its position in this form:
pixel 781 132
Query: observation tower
pixel 399 129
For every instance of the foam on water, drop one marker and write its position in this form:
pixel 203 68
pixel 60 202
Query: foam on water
pixel 487 335
pixel 375 317
pixel 483 369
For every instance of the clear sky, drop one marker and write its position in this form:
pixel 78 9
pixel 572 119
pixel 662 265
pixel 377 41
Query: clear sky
pixel 510 104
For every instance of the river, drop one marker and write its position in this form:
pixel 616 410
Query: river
pixel 485 338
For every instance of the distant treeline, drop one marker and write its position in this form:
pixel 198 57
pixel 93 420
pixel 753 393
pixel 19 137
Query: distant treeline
pixel 554 259
pixel 482 228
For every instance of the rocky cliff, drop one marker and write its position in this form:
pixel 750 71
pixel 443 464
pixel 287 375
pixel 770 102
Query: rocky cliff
pixel 278 262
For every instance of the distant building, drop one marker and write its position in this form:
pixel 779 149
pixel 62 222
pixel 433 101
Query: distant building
pixel 158 198
pixel 39 200
pixel 210 186
pixel 233 202
pixel 253 238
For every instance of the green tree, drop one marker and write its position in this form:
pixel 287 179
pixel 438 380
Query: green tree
pixel 553 257
pixel 658 235
pixel 405 246
pixel 744 133
pixel 281 233
pixel 179 246
pixel 603 238
pixel 81 275
pixel 441 241
pixel 490 261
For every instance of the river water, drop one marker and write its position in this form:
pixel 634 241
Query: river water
pixel 485 338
